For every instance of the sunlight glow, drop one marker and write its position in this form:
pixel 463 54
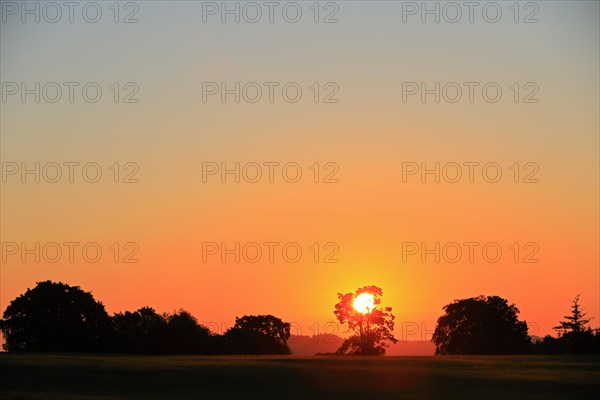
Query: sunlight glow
pixel 364 303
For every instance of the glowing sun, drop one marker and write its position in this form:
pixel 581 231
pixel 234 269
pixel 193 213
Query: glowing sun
pixel 364 303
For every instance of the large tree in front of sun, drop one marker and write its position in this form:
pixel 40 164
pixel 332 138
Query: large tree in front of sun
pixel 371 324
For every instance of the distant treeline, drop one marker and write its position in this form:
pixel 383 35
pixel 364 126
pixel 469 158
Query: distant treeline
pixel 55 317
pixel 585 342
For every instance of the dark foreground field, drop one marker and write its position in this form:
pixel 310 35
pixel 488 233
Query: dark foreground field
pixel 65 377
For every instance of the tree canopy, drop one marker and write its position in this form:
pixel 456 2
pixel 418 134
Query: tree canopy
pixel 55 317
pixel 480 325
pixel 259 334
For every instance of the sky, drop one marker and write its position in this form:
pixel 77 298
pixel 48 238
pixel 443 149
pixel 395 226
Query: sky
pixel 345 172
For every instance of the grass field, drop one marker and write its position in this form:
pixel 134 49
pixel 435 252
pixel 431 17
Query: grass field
pixel 64 377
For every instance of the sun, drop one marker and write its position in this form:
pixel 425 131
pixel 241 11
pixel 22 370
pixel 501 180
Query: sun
pixel 364 303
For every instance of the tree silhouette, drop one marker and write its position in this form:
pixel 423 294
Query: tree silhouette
pixel 258 334
pixel 576 322
pixel 480 325
pixel 372 329
pixel 55 317
pixel 574 334
pixel 140 331
pixel 145 331
pixel 184 335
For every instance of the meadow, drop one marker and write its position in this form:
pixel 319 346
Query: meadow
pixel 99 377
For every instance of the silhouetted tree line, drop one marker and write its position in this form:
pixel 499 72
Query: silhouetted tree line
pixel 55 317
pixel 490 325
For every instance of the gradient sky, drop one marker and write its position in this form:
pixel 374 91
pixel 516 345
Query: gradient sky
pixel 368 134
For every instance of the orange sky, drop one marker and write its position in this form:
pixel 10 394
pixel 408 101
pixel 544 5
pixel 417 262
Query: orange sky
pixel 368 136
